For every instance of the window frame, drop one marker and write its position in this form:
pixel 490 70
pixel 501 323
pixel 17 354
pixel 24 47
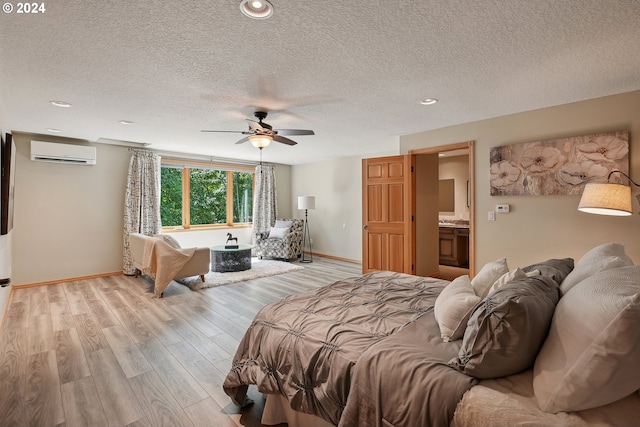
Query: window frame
pixel 186 166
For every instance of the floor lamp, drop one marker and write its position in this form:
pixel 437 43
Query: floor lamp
pixel 306 203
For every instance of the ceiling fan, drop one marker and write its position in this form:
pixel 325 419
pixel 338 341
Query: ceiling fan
pixel 260 134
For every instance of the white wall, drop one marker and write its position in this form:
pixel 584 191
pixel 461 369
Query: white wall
pixel 335 224
pixel 541 227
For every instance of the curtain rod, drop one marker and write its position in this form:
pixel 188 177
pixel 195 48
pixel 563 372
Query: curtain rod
pixel 174 155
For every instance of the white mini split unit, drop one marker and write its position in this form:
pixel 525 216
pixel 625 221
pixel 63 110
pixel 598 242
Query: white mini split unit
pixel 63 153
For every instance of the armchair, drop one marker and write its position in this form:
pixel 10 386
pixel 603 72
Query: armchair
pixel 283 241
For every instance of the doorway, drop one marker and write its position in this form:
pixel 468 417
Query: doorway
pixel 444 210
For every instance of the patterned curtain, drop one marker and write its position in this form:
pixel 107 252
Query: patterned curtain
pixel 264 199
pixel 142 200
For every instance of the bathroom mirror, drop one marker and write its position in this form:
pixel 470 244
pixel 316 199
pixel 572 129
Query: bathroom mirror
pixel 446 196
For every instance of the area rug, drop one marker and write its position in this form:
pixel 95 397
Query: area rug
pixel 259 268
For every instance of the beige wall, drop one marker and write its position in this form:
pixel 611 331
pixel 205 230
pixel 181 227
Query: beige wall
pixel 335 224
pixel 544 226
pixel 67 218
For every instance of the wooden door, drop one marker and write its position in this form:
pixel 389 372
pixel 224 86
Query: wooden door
pixel 388 214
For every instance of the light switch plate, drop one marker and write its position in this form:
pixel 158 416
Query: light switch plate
pixel 491 216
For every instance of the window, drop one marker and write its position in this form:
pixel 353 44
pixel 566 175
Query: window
pixel 199 195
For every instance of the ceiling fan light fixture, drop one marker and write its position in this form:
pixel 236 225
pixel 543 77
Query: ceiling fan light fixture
pixel 260 141
pixel 256 9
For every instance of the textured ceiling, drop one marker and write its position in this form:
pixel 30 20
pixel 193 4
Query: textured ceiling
pixel 353 71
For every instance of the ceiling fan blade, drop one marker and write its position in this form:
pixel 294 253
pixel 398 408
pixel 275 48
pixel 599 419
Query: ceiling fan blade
pixel 254 126
pixel 295 132
pixel 243 140
pixel 226 131
pixel 283 140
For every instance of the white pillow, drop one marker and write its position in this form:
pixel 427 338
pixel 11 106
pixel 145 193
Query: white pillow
pixel 283 223
pixel 487 276
pixel 590 357
pixel 453 308
pixel 278 232
pixel 603 257
pixel 510 277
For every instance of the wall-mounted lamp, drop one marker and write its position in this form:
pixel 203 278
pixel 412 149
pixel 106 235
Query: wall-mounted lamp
pixel 260 141
pixel 607 198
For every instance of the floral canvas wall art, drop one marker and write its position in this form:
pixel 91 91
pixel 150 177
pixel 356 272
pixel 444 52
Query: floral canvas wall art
pixel 558 166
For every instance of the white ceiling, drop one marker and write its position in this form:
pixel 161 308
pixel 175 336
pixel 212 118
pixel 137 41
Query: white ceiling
pixel 353 71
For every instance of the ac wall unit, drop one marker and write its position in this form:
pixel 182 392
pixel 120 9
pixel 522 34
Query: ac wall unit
pixel 63 153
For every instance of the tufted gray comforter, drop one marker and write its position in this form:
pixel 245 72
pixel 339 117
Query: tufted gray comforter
pixel 364 351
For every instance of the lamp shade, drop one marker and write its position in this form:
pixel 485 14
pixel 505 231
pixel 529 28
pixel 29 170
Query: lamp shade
pixel 606 199
pixel 306 202
pixel 260 141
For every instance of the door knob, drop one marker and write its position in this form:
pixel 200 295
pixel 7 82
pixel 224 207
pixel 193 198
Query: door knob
pixel 365 227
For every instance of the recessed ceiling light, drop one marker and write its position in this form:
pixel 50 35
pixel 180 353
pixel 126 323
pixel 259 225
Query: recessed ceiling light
pixel 256 9
pixel 125 122
pixel 54 130
pixel 428 101
pixel 60 104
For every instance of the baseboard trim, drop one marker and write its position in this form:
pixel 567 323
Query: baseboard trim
pixel 353 261
pixel 70 279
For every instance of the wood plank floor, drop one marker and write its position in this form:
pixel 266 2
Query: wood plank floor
pixel 106 352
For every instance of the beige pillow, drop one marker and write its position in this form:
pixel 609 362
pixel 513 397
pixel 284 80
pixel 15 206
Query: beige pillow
pixel 487 276
pixel 603 257
pixel 170 240
pixel 453 307
pixel 511 276
pixel 590 357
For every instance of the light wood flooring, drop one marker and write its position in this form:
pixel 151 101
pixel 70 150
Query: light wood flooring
pixel 106 352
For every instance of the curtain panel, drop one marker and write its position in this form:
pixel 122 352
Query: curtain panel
pixel 264 199
pixel 142 201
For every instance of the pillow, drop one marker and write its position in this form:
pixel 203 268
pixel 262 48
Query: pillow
pixel 557 269
pixel 453 307
pixel 170 240
pixel 510 276
pixel 603 257
pixel 590 357
pixel 283 223
pixel 489 273
pixel 278 232
pixel 506 330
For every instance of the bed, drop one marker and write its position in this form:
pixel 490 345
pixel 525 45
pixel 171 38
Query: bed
pixel 390 349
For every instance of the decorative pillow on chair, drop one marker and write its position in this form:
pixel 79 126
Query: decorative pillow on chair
pixel 487 276
pixel 590 357
pixel 453 307
pixel 505 331
pixel 603 257
pixel 283 223
pixel 278 232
